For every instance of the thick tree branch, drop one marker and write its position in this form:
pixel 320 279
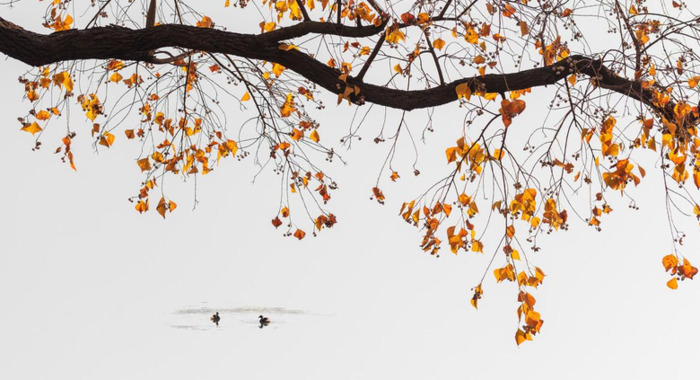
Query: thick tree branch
pixel 127 44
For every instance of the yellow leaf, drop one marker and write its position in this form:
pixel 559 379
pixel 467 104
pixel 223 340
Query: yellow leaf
pixel 245 97
pixel 231 146
pixel 68 82
pixel 641 36
pixel 394 35
pixel 288 106
pixel 277 69
pixel 521 336
pixel 32 128
pixel 490 95
pixel 471 36
pixel 116 77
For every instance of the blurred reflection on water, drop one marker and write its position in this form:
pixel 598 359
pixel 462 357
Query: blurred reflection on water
pixel 197 318
pixel 240 310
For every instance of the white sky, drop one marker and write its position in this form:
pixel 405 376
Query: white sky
pixel 91 289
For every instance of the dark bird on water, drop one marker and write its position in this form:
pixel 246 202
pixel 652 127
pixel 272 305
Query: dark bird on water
pixel 215 318
pixel 264 321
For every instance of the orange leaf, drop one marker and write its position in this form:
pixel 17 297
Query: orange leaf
pixel 43 115
pixel 447 209
pixel 407 18
pixel 524 29
pixel 438 44
pixel 142 206
pixel 508 11
pixel 463 90
pixel 205 23
pixel 299 234
pixel 672 283
pixel 669 262
pixel 297 134
pixel 144 164
pixel 692 82
pixel 521 336
pixel 314 136
pixel 161 207
pixel 107 139
pixel 378 194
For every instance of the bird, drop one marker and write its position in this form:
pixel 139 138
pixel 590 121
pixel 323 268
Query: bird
pixel 215 318
pixel 264 321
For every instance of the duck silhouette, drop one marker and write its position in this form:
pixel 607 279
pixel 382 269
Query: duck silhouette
pixel 264 321
pixel 215 318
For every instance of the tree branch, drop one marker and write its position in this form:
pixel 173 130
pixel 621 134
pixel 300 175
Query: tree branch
pixel 327 28
pixel 115 42
pixel 300 3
